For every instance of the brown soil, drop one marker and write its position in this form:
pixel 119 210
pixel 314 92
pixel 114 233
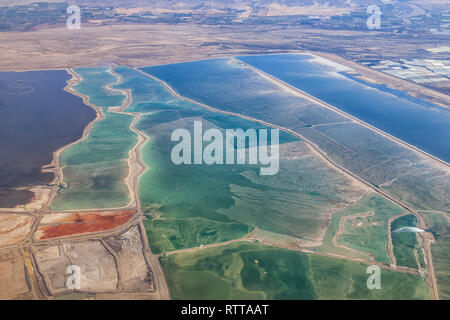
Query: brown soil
pixel 14 228
pixel 69 224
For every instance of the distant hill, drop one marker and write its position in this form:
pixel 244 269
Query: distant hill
pixel 266 7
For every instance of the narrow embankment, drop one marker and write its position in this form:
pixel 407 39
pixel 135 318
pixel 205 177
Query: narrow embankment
pixel 303 94
pixel 134 167
pixel 324 156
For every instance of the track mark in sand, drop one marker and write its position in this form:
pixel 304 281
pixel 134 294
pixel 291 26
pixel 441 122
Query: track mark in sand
pixel 30 272
pixel 431 279
pixel 342 222
pixel 248 237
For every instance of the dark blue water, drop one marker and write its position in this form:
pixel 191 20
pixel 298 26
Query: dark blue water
pixel 36 118
pixel 414 121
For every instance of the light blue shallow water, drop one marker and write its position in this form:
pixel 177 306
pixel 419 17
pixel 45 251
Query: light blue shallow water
pixel 417 122
pixel 230 85
pixel 225 85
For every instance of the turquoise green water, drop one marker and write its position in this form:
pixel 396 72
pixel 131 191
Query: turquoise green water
pixel 254 271
pixel 229 85
pixel 95 169
pixel 93 86
pixel 191 205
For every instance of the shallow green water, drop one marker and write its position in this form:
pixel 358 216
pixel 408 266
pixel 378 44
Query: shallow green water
pixel 95 168
pixel 254 271
pixel 229 85
pixel 220 202
pixel 93 86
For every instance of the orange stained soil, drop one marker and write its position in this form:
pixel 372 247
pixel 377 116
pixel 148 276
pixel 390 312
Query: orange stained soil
pixel 80 223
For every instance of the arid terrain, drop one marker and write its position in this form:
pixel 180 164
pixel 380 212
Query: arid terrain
pixel 145 45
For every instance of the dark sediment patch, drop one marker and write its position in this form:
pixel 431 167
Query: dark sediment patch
pixel 9 198
pixel 37 117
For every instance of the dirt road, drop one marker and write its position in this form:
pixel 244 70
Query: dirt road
pixel 341 230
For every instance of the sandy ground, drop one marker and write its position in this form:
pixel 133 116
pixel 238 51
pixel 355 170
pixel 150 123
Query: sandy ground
pixel 316 9
pixel 12 276
pixel 112 265
pixel 143 45
pixel 14 228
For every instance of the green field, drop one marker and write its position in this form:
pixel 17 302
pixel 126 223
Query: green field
pixel 95 169
pixel 440 227
pixel 405 243
pixel 173 234
pixel 255 271
pixel 366 234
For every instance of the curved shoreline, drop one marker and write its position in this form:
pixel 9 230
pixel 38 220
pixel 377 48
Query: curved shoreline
pixel 49 190
pixel 136 167
pixel 134 158
pixel 56 164
pixel 133 155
